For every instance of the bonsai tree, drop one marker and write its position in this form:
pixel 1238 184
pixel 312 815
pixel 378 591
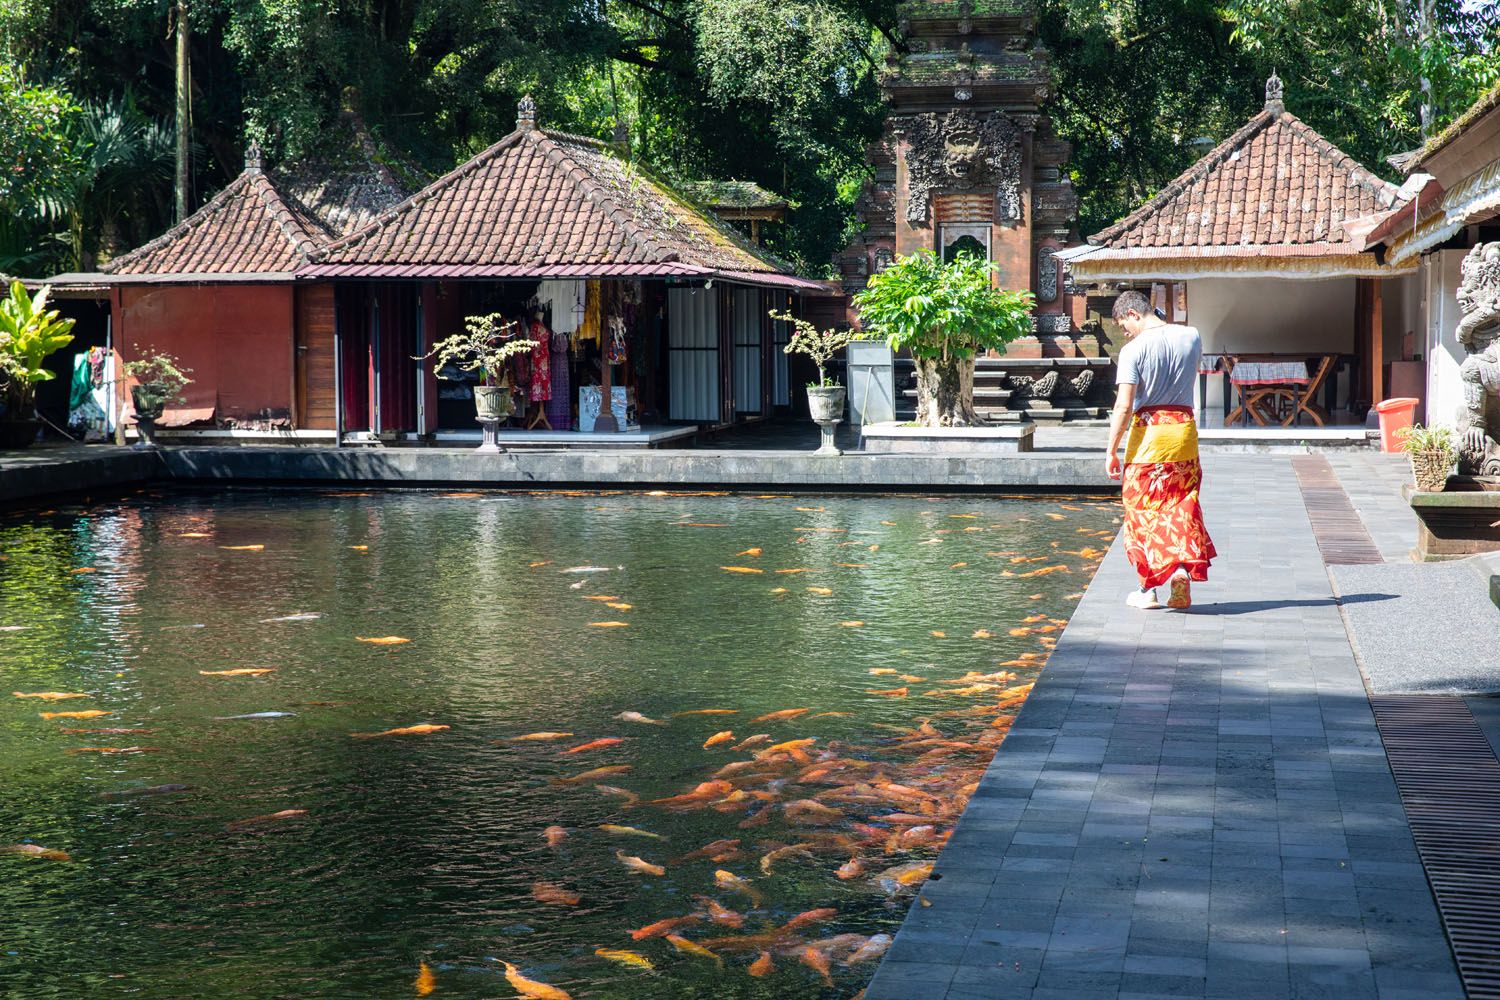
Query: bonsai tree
pixel 159 380
pixel 944 314
pixel 819 345
pixel 483 347
pixel 29 331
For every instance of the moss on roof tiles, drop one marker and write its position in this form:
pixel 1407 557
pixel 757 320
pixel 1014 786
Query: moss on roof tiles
pixel 942 10
pixel 734 194
pixel 945 67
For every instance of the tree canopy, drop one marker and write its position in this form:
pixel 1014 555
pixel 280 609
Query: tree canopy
pixel 780 92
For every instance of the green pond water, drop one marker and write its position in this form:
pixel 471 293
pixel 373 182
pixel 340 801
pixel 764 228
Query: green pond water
pixel 427 848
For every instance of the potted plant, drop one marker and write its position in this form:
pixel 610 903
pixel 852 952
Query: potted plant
pixel 825 397
pixel 944 314
pixel 485 346
pixel 159 380
pixel 1432 450
pixel 29 331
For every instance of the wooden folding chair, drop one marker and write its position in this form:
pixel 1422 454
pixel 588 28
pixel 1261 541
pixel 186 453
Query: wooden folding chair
pixel 1303 396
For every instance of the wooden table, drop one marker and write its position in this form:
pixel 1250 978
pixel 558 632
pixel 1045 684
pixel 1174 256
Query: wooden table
pixel 1279 396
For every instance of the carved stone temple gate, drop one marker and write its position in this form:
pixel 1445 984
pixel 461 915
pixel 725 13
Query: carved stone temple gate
pixel 968 161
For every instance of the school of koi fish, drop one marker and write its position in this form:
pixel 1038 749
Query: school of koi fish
pixel 865 811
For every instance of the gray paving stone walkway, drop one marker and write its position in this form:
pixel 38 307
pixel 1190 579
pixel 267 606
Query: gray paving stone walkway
pixel 1189 804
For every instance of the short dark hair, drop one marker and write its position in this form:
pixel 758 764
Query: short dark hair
pixel 1131 302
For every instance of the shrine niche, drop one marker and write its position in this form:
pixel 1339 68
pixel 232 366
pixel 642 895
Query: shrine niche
pixel 967 162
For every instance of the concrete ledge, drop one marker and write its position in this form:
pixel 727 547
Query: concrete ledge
pixel 683 468
pixel 892 437
pixel 48 471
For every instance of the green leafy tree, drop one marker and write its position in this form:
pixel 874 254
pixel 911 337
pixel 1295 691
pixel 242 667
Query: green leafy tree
pixel 945 315
pixel 39 158
pixel 29 331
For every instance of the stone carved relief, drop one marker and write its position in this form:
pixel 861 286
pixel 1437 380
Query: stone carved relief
pixel 960 151
pixel 884 258
pixel 1479 334
pixel 1046 274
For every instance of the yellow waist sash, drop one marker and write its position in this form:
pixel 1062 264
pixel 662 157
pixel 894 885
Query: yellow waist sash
pixel 1161 442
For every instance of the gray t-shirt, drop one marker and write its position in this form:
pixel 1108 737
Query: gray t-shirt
pixel 1161 363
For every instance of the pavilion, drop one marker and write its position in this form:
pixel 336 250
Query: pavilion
pixel 1258 245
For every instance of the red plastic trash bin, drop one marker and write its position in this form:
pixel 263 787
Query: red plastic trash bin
pixel 1395 416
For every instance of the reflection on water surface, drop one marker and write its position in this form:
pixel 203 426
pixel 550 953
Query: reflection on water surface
pixel 741 727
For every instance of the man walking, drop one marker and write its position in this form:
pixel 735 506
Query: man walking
pixel 1165 539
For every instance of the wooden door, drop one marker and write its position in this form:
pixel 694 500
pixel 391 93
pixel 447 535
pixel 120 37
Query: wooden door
pixel 314 361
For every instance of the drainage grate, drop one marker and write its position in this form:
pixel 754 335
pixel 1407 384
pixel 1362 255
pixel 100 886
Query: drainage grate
pixel 1341 534
pixel 1449 781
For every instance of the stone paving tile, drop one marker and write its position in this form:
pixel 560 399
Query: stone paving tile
pixel 1194 804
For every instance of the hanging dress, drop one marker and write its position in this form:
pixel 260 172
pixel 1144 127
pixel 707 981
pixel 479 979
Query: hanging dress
pixel 540 389
pixel 560 403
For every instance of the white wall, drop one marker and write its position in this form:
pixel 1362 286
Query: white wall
pixel 1440 273
pixel 1271 316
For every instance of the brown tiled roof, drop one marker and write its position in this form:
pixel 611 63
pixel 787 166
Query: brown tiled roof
pixel 1275 183
pixel 247 228
pixel 544 202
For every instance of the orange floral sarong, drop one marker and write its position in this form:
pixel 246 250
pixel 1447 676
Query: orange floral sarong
pixel 1163 522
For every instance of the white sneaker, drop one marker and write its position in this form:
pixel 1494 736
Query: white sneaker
pixel 1143 599
pixel 1181 595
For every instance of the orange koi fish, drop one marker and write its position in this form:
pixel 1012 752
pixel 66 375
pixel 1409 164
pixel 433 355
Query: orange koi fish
pixel 899 692
pixel 606 598
pixel 729 880
pixel 741 569
pixel 36 851
pixel 112 750
pixel 195 534
pixel 706 791
pixel 817 961
pixel 242 548
pixel 239 672
pixel 382 640
pixel 810 917
pixel 723 736
pixel 882 671
pixel 752 741
pixel 820 591
pixel 853 868
pixel 532 988
pixel 810 811
pixel 790 572
pixel 750 552
pixel 852 624
pixel 792 850
pixel 639 865
pixel 607 741
pixel 625 957
pixel 791 745
pixel 274 817
pixel 48 695
pixel 631 799
pixel 90 713
pixel 762 966
pixel 785 713
pixel 588 777
pixel 685 946
pixel 555 835
pixel 425 982
pixel 533 737
pixel 718 850
pixel 663 927
pixel 721 914
pixel 609 624
pixel 553 894
pixel 619 605
pixel 421 729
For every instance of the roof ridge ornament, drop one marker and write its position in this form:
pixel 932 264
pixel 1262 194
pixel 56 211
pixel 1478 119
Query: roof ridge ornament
pixel 1275 93
pixel 255 161
pixel 526 114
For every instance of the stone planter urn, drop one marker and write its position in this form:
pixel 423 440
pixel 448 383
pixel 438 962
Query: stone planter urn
pixel 150 399
pixel 1430 469
pixel 491 406
pixel 826 404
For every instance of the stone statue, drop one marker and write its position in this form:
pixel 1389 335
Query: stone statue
pixel 961 151
pixel 1479 333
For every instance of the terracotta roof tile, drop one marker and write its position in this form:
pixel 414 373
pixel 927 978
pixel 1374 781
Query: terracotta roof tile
pixel 544 198
pixel 1275 182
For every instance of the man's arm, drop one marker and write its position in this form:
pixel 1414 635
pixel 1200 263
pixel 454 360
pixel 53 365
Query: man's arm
pixel 1119 419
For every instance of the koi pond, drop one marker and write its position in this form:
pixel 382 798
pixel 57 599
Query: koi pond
pixel 379 744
